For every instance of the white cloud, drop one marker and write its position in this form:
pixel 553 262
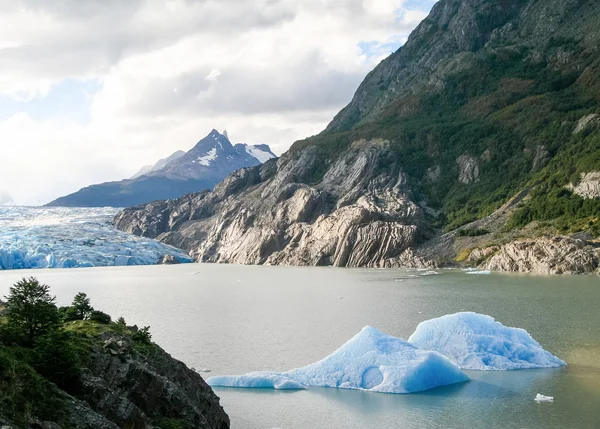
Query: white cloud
pixel 270 71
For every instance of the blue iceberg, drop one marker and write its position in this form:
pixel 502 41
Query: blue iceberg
pixel 73 237
pixel 477 342
pixel 371 361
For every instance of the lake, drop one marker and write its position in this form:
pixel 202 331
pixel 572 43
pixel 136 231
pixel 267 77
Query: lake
pixel 236 319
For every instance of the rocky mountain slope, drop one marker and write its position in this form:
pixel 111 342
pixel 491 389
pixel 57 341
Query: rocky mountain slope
pixel 160 164
pixel 202 167
pixel 482 130
pixel 123 383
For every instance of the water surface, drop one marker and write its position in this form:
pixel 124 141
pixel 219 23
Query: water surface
pixel 237 319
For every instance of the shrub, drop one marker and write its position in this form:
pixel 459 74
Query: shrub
pixel 100 317
pixel 68 314
pixel 471 232
pixel 55 359
pixel 143 335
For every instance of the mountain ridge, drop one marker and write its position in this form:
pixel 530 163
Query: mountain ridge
pixel 202 167
pixel 487 103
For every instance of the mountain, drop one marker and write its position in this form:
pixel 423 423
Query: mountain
pixel 477 142
pixel 5 199
pixel 202 167
pixel 160 164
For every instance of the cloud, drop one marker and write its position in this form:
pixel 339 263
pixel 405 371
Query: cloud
pixel 166 72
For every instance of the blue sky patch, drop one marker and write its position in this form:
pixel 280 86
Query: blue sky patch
pixel 70 100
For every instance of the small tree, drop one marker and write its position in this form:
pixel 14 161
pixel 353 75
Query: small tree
pixel 31 309
pixel 81 305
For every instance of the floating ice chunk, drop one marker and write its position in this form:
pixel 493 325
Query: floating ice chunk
pixel 475 341
pixel 371 360
pixel 430 273
pixel 541 398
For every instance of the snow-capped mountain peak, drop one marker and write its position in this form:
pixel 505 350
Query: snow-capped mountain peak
pixel 211 160
pixel 214 155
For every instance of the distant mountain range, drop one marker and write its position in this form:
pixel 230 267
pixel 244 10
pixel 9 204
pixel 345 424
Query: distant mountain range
pixel 206 164
pixel 5 199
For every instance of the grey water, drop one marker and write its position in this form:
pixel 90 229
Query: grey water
pixel 236 319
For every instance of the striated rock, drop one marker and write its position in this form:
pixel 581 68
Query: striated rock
pixel 557 255
pixel 468 169
pixel 454 96
pixel 477 256
pixel 589 186
pixel 356 216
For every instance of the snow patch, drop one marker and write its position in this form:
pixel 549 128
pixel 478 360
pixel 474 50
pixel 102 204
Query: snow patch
pixel 210 156
pixel 477 342
pixel 261 155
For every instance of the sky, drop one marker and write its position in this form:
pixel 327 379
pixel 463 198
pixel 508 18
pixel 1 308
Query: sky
pixel 90 91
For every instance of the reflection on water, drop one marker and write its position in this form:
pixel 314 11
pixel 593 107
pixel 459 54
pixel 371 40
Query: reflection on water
pixel 235 319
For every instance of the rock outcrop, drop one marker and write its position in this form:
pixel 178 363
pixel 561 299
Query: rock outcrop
pixel 130 389
pixel 588 186
pixel 587 122
pixel 468 169
pixel 121 380
pixel 355 216
pixel 556 255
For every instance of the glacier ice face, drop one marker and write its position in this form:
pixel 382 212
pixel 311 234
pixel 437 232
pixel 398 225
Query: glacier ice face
pixel 371 360
pixel 72 237
pixel 477 342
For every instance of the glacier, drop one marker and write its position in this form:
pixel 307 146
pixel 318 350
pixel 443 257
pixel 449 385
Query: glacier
pixel 478 342
pixel 32 237
pixel 371 361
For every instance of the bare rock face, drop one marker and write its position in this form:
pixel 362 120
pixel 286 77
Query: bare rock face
pixel 541 158
pixel 127 389
pixel 557 255
pixel 586 122
pixel 354 217
pixel 589 186
pixel 433 174
pixel 468 169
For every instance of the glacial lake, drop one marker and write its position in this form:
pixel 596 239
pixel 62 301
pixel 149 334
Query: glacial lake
pixel 236 319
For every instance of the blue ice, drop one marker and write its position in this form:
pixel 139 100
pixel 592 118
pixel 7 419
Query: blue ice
pixel 478 342
pixel 371 361
pixel 71 238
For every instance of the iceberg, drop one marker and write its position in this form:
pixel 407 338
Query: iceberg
pixel 477 342
pixel 371 361
pixel 541 398
pixel 73 238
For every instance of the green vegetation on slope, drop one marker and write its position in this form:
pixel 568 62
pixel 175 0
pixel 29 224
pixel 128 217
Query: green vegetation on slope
pixel 512 109
pixel 43 349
